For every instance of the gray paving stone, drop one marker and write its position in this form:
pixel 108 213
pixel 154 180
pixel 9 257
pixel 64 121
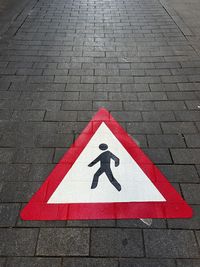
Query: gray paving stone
pixel 66 79
pixel 76 105
pixel 55 96
pixel 37 87
pixel 6 155
pixel 119 243
pixel 143 128
pixel 93 65
pixel 2 261
pixel 158 155
pixel 93 79
pixel 4 86
pixel 80 87
pixel 34 155
pixel 9 95
pixel 198 169
pixel 18 191
pixel 170 244
pixel 187 115
pixel 181 96
pixel 33 262
pixel 87 262
pixel 157 72
pixel 91 223
pixel 5 114
pixel 186 156
pixel 180 173
pixel 152 96
pixel 147 263
pixel 16 242
pixel 42 224
pixel 29 127
pixel 123 66
pixel 188 86
pixel 140 140
pixel 198 236
pixel 158 116
pixel 40 79
pixel 56 140
pixel 147 79
pixel 56 72
pixel 71 127
pixel 191 193
pixel 93 96
pixel 192 223
pixel 122 96
pixel 159 141
pixel 188 262
pixel 85 115
pixel 122 80
pixel 140 106
pixel 19 139
pixel 135 87
pixel 60 116
pixel 174 79
pixel 192 140
pixel 14 172
pixel 193 104
pixel 46 105
pixel 142 65
pixel 14 104
pixel 178 127
pixel 28 72
pixel 28 115
pixel 63 242
pixel 127 116
pixel 198 125
pixel 170 105
pixel 194 78
pixel 107 87
pixel 8 214
pixel 163 87
pixel 135 223
pixel 66 65
pixel 109 105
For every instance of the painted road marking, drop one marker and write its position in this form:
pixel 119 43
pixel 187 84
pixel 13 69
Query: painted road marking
pixel 105 175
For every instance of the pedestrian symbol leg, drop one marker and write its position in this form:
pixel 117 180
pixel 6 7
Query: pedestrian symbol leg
pixel 96 178
pixel 113 180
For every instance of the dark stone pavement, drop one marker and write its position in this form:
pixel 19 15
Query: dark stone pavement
pixel 60 60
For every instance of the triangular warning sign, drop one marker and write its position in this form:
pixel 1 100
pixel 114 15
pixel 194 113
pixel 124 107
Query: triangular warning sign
pixel 105 175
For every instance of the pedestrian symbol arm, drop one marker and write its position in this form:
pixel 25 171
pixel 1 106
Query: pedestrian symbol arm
pixel 116 159
pixel 94 162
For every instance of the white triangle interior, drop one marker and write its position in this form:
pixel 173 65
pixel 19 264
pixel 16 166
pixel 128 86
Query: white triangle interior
pixel 76 185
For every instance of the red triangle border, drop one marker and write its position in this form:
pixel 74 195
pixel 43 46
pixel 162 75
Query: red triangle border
pixel 38 209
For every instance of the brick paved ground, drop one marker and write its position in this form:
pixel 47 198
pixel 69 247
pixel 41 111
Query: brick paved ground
pixel 60 62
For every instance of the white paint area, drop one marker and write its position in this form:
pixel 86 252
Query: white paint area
pixel 76 185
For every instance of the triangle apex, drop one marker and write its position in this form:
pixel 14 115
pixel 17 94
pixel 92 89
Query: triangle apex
pixel 102 109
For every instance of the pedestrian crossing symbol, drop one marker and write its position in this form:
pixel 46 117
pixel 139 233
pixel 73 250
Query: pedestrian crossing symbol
pixel 105 175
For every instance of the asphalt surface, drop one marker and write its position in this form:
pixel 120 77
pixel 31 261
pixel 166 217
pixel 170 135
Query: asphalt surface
pixel 59 62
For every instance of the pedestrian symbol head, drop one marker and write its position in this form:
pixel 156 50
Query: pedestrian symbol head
pixel 103 146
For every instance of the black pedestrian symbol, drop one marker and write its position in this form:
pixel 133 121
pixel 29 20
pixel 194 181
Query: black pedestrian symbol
pixel 105 159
